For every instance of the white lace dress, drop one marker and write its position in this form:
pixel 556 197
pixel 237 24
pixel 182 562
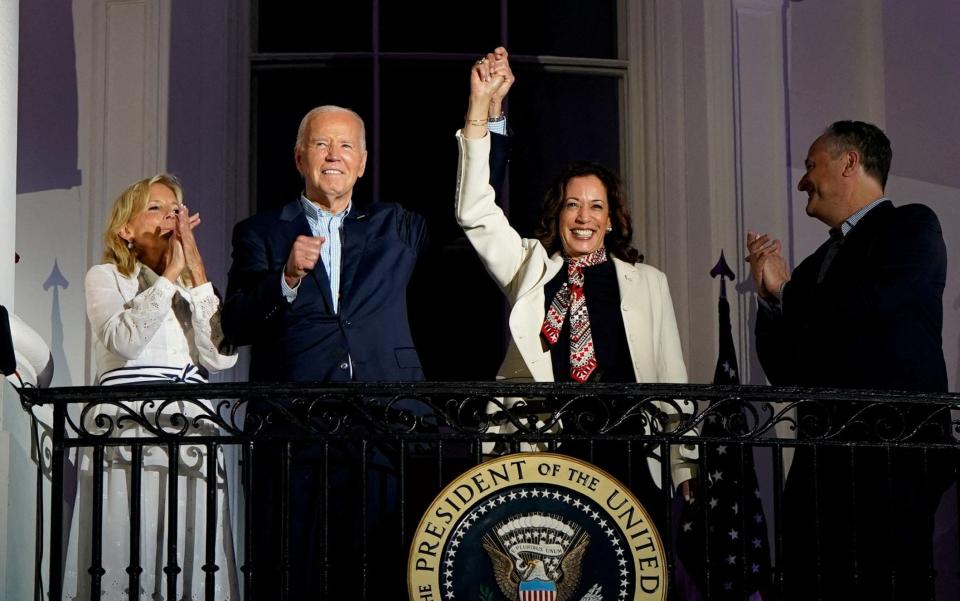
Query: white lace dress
pixel 147 329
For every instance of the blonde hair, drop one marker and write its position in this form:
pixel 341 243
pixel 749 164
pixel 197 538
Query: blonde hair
pixel 128 205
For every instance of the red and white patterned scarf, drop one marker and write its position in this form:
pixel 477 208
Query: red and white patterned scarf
pixel 571 298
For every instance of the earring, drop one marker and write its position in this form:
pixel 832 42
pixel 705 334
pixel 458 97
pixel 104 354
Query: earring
pixel 609 229
pixel 129 245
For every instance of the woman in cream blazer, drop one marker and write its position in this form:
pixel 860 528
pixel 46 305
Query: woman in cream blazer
pixel 584 214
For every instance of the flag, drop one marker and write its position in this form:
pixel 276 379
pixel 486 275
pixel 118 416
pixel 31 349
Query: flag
pixel 723 541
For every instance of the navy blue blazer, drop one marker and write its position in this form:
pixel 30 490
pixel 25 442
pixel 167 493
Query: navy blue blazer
pixel 306 339
pixel 876 319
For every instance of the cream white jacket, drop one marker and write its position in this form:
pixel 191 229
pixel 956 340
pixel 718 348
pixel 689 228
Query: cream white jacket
pixel 522 267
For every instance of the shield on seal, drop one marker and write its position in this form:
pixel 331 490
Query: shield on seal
pixel 538 590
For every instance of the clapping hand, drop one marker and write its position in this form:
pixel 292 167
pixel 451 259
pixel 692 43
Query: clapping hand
pixel 187 244
pixel 173 259
pixel 767 265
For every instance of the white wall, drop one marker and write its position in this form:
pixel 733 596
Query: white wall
pixel 892 63
pixel 723 148
pixel 10 447
pixel 732 144
pixel 125 71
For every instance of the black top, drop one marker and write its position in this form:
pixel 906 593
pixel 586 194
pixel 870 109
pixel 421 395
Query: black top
pixel 606 325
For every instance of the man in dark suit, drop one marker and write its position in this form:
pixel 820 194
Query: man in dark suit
pixel 318 289
pixel 863 311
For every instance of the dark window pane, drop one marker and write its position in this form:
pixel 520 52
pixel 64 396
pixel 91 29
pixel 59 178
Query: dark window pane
pixel 557 118
pixel 440 26
pixel 281 97
pixel 419 160
pixel 563 28
pixel 457 315
pixel 313 26
pixel 451 294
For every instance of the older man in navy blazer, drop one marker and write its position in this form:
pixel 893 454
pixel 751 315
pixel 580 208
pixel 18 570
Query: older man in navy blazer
pixel 318 289
pixel 863 311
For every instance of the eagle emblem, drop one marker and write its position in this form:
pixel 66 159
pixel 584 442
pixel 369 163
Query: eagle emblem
pixel 536 557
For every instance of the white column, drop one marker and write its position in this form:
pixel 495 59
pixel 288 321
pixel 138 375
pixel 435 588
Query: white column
pixel 9 38
pixel 763 187
pixel 123 48
pixel 9 30
pixel 715 144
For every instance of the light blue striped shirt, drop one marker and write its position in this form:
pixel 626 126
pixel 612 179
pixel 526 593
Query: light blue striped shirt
pixel 499 126
pixel 852 220
pixel 326 225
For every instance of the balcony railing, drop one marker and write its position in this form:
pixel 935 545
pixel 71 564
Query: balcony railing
pixel 409 440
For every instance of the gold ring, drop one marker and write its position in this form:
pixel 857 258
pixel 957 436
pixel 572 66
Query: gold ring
pixel 481 61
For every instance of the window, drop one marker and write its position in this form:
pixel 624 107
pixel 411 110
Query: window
pixel 408 79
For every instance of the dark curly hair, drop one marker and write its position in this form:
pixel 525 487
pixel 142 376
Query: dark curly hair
pixel 617 240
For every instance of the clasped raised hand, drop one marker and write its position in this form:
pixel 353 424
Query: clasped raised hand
pixel 490 74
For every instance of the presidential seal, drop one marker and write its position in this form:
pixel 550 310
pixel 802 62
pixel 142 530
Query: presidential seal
pixel 536 527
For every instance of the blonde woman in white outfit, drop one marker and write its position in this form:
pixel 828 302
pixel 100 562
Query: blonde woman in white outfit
pixel 155 319
pixel 583 308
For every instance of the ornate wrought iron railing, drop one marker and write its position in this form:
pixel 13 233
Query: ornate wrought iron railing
pixel 414 438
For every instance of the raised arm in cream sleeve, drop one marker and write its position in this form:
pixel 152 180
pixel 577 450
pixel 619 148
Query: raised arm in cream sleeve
pixel 500 247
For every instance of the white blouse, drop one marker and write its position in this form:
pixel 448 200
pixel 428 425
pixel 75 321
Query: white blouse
pixel 144 319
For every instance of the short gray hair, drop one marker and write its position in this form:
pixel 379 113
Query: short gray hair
pixel 329 108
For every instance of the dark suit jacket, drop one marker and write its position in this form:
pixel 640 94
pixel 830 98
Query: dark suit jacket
pixel 875 320
pixel 306 339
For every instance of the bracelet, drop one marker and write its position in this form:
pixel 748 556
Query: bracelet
pixel 477 122
pixel 497 119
